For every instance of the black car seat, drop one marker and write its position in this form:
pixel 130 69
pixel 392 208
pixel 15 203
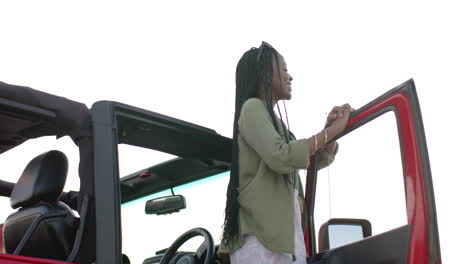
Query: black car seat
pixel 43 226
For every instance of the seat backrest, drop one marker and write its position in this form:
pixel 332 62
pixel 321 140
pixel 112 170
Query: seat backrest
pixel 42 227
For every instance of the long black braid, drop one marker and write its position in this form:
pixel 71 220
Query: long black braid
pixel 254 75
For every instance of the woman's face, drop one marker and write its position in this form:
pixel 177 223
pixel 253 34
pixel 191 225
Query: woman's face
pixel 281 82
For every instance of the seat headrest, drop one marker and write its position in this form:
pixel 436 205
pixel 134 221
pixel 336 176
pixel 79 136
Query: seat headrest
pixel 43 179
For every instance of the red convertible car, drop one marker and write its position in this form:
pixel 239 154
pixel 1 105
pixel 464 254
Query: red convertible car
pixel 126 213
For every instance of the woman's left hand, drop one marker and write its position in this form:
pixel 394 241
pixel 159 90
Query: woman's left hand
pixel 337 111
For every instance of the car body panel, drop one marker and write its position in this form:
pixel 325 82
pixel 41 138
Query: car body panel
pixel 14 259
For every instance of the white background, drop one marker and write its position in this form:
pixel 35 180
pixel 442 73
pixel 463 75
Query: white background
pixel 179 57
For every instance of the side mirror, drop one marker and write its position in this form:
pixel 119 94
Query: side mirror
pixel 337 232
pixel 165 205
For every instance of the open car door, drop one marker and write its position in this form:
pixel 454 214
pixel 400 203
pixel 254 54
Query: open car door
pixel 362 186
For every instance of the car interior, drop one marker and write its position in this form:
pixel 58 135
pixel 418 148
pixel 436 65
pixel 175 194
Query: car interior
pixel 164 176
pixel 42 226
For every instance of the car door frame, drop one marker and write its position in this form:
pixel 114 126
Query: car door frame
pixel 420 204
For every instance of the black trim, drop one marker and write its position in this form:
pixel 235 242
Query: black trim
pixel 311 209
pixel 159 119
pixel 107 187
pixel 138 127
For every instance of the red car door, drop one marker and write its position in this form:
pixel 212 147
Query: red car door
pixel 417 241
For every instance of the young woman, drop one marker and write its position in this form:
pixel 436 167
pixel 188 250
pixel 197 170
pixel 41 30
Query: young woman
pixel 264 208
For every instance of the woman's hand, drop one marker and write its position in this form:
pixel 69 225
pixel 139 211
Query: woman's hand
pixel 336 123
pixel 338 119
pixel 336 112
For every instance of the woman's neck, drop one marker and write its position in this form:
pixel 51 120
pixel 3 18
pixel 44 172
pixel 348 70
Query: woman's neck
pixel 273 103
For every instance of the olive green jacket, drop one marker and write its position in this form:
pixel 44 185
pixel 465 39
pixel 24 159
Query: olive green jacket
pixel 266 168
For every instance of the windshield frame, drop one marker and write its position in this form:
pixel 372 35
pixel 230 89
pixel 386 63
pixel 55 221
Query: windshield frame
pixel 115 123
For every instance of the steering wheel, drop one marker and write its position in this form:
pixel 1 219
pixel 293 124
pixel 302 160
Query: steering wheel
pixel 207 245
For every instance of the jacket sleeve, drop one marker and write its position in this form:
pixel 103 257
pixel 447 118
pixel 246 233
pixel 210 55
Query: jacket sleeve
pixel 326 158
pixel 256 128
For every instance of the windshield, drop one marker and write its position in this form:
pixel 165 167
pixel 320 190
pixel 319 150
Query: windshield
pixel 143 235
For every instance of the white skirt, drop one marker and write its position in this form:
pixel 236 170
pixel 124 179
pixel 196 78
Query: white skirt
pixel 253 252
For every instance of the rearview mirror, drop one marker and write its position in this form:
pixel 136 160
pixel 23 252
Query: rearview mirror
pixel 165 205
pixel 340 231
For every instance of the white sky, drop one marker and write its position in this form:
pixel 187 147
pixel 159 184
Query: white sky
pixel 178 58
